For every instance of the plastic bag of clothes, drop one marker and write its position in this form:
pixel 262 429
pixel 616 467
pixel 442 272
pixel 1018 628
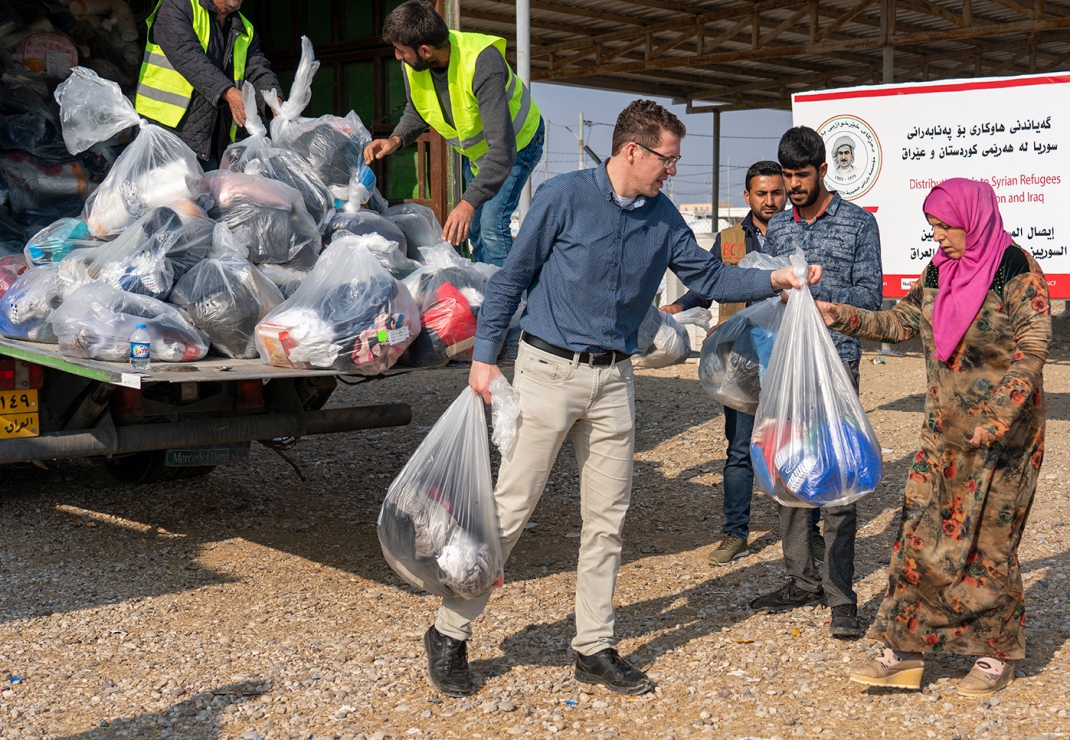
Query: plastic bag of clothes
pixel 155 250
pixel 438 525
pixel 157 168
pixel 663 337
pixel 272 213
pixel 257 156
pixel 387 252
pixel 812 443
pixel 286 279
pixel 364 221
pixel 418 224
pixel 734 358
pixel 95 322
pixel 333 146
pixel 26 308
pixel 450 292
pixel 54 242
pixel 27 123
pixel 226 298
pixel 348 315
pixel 92 110
pixel 42 192
pixel 11 266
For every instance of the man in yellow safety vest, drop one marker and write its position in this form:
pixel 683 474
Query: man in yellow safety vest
pixel 197 54
pixel 460 85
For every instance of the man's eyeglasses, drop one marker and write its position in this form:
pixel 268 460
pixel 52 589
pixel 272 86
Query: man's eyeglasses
pixel 667 162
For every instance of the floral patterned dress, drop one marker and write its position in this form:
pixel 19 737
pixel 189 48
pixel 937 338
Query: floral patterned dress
pixel 954 584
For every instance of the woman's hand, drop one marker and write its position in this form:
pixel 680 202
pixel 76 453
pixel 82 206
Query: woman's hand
pixel 981 436
pixel 830 312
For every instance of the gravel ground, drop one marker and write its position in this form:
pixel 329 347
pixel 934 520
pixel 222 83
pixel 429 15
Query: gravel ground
pixel 250 604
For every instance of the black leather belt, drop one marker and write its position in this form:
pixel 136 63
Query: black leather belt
pixel 586 358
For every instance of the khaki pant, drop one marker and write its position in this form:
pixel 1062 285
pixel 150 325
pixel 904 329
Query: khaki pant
pixel 597 404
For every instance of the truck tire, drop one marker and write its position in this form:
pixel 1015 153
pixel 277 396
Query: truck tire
pixel 140 468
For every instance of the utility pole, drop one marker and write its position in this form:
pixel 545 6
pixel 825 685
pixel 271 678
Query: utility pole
pixel 715 190
pixel 580 136
pixel 729 174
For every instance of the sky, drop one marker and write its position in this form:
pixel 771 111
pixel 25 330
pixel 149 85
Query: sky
pixel 746 137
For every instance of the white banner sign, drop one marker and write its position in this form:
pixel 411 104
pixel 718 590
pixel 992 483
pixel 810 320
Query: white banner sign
pixel 889 145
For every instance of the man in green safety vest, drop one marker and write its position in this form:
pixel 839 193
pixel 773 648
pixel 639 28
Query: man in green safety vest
pixel 460 85
pixel 197 54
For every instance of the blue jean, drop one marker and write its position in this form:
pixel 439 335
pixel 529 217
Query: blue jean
pixel 489 233
pixel 739 475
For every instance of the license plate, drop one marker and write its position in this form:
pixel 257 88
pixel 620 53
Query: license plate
pixel 18 402
pixel 206 456
pixel 18 425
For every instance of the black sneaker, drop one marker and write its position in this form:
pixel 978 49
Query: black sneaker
pixel 447 663
pixel 787 598
pixel 817 548
pixel 612 671
pixel 845 622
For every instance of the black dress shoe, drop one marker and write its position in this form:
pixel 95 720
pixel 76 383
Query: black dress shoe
pixel 447 663
pixel 845 622
pixel 612 671
pixel 787 598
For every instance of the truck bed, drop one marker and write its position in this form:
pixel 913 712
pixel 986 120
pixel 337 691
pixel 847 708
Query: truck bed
pixel 216 369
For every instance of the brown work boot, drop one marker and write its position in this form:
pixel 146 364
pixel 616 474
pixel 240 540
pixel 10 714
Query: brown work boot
pixel 906 674
pixel 982 680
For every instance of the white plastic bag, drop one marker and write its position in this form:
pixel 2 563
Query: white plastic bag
pixel 256 155
pixel 155 169
pixel 812 444
pixel 349 314
pixel 273 215
pixel 226 298
pixel 92 110
pixel 97 320
pixel 504 412
pixel 663 337
pixel 438 526
pixel 333 146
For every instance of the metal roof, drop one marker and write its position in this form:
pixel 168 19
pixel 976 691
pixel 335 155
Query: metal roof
pixel 740 55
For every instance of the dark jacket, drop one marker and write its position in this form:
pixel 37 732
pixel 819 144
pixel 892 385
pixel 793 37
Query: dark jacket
pixel 691 299
pixel 206 126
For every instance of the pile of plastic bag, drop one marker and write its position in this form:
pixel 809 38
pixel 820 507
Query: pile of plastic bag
pixel 812 443
pixel 349 314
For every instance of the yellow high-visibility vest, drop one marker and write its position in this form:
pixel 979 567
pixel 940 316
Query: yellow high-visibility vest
pixel 466 134
pixel 162 93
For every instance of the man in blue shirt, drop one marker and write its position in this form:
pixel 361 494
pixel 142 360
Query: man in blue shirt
pixel 591 255
pixel 844 239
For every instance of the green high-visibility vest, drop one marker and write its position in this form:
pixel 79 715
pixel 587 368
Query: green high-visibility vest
pixel 466 134
pixel 162 93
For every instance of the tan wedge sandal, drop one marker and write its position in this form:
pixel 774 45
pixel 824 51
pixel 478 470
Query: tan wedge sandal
pixel 906 674
pixel 979 681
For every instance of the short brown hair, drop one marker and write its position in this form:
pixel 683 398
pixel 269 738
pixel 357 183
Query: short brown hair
pixel 415 23
pixel 642 122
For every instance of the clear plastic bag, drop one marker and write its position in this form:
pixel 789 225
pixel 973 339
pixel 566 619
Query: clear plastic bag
pixel 26 308
pixel 390 257
pixel 664 338
pixel 92 109
pixel 157 168
pixel 734 358
pixel 286 279
pixel 418 224
pixel 812 444
pixel 97 320
pixel 226 298
pixel 348 315
pixel 272 214
pixel 438 526
pixel 333 146
pixel 504 413
pixel 56 241
pixel 364 221
pixel 257 156
pixel 11 266
pixel 450 291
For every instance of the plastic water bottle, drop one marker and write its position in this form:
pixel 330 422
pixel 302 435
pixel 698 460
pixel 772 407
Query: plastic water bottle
pixel 139 349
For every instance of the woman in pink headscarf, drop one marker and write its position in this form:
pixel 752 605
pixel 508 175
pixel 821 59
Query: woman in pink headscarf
pixel 981 308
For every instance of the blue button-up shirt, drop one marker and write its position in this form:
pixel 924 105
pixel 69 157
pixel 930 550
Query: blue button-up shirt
pixel 592 268
pixel 844 240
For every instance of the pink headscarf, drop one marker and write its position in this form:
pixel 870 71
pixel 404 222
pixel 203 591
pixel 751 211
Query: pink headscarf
pixel 964 283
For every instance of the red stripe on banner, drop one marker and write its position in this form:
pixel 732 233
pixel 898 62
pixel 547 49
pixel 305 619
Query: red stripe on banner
pixel 871 209
pixel 884 92
pixel 897 286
